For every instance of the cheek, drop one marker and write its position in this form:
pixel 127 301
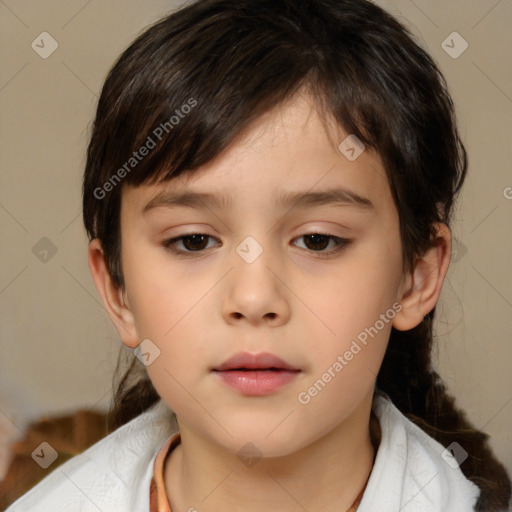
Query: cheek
pixel 354 311
pixel 168 308
pixel 345 364
pixel 160 293
pixel 352 296
pixel 184 342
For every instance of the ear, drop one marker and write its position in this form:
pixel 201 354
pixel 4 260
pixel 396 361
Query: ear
pixel 113 298
pixel 420 290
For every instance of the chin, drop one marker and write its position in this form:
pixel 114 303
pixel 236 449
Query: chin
pixel 254 436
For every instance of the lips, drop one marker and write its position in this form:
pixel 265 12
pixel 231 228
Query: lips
pixel 262 361
pixel 256 375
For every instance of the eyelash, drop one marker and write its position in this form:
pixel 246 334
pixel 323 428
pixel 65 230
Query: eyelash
pixel 341 244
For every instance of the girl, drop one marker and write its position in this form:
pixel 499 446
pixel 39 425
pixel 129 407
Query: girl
pixel 268 193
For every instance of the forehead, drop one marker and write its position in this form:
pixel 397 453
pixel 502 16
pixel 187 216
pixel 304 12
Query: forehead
pixel 288 152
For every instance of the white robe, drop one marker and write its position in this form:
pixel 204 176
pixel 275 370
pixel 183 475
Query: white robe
pixel 410 473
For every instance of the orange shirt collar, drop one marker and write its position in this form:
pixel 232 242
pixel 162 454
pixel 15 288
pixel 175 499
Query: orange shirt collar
pixel 158 501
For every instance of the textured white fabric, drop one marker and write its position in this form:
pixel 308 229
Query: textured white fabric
pixel 113 475
pixel 410 474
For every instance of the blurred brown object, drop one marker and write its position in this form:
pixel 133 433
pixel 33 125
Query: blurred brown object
pixel 67 435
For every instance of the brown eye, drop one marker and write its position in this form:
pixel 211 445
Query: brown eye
pixel 317 242
pixel 195 242
pixel 192 243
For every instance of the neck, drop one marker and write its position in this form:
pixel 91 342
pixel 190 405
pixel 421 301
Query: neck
pixel 326 475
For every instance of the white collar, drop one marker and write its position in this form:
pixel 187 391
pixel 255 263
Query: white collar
pixel 410 473
pixel 114 474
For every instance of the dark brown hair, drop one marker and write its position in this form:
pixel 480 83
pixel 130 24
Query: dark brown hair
pixel 192 82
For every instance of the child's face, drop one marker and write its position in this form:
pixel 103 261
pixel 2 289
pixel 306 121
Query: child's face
pixel 203 307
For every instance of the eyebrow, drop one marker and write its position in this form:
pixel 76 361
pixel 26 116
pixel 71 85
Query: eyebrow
pixel 288 200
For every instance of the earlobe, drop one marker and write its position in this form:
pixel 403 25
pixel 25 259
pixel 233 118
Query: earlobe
pixel 420 290
pixel 112 297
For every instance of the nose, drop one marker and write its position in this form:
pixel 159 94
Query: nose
pixel 255 289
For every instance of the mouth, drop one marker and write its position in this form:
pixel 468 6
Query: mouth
pixel 256 375
pixel 244 361
pixel 256 370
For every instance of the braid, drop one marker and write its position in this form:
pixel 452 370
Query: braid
pixel 133 394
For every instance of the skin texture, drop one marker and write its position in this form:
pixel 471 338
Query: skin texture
pixel 202 308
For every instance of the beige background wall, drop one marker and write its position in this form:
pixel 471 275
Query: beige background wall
pixel 58 347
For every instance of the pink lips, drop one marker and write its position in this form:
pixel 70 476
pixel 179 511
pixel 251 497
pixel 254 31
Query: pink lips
pixel 256 374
